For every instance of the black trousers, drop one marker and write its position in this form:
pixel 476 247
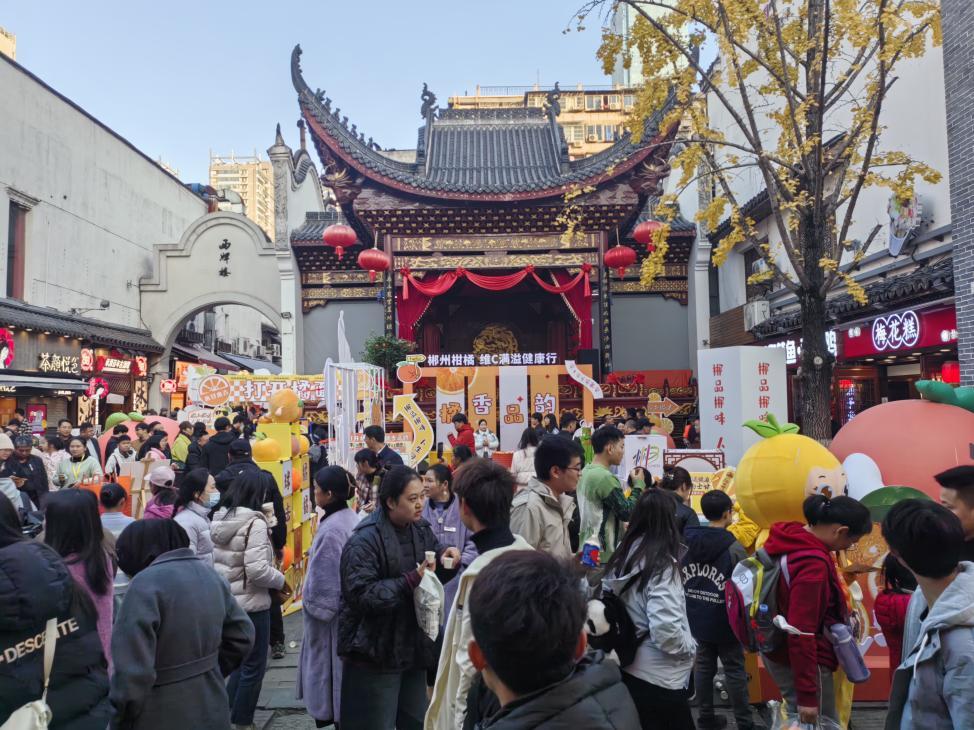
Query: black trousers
pixel 658 707
pixel 277 621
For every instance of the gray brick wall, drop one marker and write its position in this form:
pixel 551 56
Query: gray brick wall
pixel 958 25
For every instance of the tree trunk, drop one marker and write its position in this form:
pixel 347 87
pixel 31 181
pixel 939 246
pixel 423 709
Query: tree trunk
pixel 816 369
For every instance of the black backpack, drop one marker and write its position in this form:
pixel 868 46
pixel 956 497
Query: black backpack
pixel 609 626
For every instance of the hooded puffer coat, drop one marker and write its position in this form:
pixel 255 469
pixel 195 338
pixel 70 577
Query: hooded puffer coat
pixel 243 555
pixel 35 585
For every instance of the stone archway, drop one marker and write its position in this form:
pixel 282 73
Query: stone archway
pixel 223 258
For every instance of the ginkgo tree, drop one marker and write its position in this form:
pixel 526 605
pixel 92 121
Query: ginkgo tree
pixel 799 86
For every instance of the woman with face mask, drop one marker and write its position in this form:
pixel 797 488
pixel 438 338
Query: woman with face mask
pixel 196 497
pixel 80 465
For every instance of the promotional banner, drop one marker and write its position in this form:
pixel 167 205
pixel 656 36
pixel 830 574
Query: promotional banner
pixel 544 389
pixel 450 400
pixel 739 384
pixel 513 405
pixel 482 398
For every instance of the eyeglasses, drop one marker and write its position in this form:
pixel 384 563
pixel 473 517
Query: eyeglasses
pixel 574 468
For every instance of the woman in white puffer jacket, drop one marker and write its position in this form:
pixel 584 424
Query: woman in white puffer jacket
pixel 243 554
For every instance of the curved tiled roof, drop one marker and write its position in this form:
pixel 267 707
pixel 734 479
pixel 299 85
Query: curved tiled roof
pixel 477 153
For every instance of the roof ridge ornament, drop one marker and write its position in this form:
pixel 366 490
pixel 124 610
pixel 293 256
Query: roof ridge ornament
pixel 429 102
pixel 553 98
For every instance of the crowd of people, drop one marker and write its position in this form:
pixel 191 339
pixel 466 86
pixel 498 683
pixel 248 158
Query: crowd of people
pixel 561 595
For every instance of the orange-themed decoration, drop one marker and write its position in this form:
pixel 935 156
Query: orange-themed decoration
pixel 777 473
pixel 339 237
pixel 285 406
pixel 265 449
pixel 288 559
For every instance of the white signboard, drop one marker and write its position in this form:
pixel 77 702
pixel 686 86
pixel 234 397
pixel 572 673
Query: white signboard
pixel 512 412
pixel 643 450
pixel 739 384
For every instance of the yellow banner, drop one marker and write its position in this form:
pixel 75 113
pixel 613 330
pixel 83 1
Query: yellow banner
pixel 482 398
pixel 544 389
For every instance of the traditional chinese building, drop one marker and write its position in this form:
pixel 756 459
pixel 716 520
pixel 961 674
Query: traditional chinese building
pixel 474 221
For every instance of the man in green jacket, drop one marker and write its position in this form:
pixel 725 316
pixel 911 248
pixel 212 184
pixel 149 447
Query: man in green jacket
pixel 602 503
pixel 180 447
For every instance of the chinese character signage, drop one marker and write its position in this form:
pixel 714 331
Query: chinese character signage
pixel 739 384
pixel 469 360
pixel 51 362
pixel 450 397
pixel 482 398
pixel 793 350
pixel 513 406
pixel 899 331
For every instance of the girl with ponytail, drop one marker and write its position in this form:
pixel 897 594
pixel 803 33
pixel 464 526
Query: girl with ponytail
pixel 810 597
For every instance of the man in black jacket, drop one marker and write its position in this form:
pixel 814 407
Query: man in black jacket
pixel 28 471
pixel 216 451
pixel 528 620
pixel 712 553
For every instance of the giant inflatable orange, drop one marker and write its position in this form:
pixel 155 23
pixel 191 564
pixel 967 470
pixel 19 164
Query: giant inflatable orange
pixel 910 440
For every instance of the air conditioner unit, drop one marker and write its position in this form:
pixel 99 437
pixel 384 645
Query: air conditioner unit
pixel 755 313
pixel 592 138
pixel 241 345
pixel 759 266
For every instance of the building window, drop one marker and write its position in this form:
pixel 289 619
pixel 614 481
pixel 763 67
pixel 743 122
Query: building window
pixel 574 133
pixel 16 243
pixel 629 101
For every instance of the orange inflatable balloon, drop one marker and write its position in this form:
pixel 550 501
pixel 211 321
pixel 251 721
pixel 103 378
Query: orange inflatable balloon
pixel 287 559
pixel 910 441
pixel 296 479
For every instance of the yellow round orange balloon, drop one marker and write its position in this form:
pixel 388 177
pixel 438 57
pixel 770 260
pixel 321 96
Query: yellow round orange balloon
pixel 288 558
pixel 777 473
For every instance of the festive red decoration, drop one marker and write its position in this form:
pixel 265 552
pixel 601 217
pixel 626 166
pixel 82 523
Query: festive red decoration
pixel 443 283
pixel 97 388
pixel 410 305
pixel 7 348
pixel 644 233
pixel 339 237
pixel 619 258
pixel 950 372
pixel 374 261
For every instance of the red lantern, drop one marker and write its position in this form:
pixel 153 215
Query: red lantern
pixel 374 261
pixel 339 237
pixel 643 233
pixel 620 257
pixel 950 372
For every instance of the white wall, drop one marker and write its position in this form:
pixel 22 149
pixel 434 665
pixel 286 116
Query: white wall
pixel 102 205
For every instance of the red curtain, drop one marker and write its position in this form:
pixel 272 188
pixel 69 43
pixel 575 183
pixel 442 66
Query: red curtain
pixel 414 298
pixel 580 302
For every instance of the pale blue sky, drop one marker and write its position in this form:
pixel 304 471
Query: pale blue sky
pixel 179 78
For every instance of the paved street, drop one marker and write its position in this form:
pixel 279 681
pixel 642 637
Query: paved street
pixel 278 710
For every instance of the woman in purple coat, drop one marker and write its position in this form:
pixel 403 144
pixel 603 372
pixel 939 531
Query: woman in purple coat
pixel 442 511
pixel 320 669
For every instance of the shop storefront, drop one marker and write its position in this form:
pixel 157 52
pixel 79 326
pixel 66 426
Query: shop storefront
pixel 39 373
pixel 880 359
pixel 48 360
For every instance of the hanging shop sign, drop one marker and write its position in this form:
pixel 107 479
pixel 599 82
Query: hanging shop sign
pixel 214 390
pixel 905 217
pixel 140 366
pixel 898 331
pixel 469 359
pixel 167 386
pixel 113 364
pixel 87 360
pixel 97 388
pixel 52 362
pixel 7 348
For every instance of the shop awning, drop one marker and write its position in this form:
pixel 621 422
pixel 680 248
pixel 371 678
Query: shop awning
pixel 200 355
pixel 252 363
pixel 28 381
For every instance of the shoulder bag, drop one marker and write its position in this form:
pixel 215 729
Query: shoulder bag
pixel 36 715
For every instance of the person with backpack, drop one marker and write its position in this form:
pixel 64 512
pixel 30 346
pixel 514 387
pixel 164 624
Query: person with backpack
pixel 810 597
pixel 712 553
pixel 655 646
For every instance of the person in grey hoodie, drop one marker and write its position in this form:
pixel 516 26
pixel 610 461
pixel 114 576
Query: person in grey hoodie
pixel 644 572
pixel 933 684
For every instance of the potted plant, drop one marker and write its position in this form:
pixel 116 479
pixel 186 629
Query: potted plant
pixel 386 352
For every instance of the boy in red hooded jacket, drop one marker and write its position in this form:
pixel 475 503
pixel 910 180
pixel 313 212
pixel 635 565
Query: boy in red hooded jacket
pixel 464 435
pixel 810 597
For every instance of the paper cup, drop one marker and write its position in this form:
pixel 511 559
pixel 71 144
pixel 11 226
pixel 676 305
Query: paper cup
pixel 430 557
pixel 448 563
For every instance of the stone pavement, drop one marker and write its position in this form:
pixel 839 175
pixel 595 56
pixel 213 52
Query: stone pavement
pixel 278 710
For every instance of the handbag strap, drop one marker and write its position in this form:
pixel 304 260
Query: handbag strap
pixel 247 542
pixel 50 640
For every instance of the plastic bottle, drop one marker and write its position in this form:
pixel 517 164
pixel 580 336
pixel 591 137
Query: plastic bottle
pixel 848 654
pixel 764 629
